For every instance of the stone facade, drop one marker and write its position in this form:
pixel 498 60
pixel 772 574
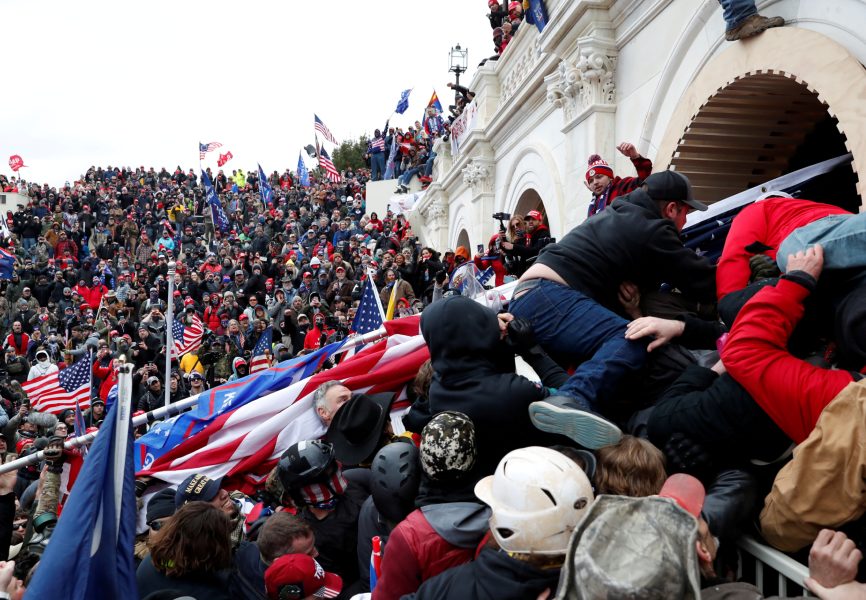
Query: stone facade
pixel 607 71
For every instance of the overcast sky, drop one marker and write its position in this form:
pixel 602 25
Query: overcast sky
pixel 123 83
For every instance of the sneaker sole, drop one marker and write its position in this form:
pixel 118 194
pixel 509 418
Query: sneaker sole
pixel 587 429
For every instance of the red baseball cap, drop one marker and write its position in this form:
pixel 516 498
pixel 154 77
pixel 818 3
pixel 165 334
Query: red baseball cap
pixel 686 491
pixel 534 214
pixel 300 576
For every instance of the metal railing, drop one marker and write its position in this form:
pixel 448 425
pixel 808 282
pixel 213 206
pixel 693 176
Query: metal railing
pixel 770 571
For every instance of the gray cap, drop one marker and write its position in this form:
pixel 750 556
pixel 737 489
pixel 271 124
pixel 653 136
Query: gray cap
pixel 632 548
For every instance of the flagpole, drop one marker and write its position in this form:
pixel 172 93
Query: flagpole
pixel 167 411
pixel 169 342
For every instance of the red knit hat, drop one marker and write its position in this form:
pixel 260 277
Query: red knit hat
pixel 597 165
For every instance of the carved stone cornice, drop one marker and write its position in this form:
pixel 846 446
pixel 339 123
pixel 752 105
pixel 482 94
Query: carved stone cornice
pixel 478 175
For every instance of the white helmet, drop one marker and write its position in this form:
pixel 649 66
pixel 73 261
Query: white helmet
pixel 537 497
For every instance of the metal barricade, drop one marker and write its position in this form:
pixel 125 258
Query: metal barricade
pixel 771 571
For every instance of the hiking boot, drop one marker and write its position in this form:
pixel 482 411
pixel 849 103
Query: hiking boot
pixel 753 26
pixel 564 416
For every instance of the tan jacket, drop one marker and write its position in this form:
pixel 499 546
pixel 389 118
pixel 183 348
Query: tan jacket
pixel 823 485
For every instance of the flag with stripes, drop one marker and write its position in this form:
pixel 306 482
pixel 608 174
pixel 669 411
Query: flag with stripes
pixel 320 127
pixel 205 148
pixel 259 362
pixel 186 336
pixel 7 264
pixel 244 444
pixel 55 392
pixel 370 315
pixel 330 170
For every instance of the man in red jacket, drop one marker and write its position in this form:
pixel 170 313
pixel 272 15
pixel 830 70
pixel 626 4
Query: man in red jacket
pixel 606 187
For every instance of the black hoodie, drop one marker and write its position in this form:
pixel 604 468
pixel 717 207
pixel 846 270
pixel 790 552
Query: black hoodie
pixel 474 375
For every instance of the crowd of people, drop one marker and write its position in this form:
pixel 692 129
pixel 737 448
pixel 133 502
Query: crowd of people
pixel 679 403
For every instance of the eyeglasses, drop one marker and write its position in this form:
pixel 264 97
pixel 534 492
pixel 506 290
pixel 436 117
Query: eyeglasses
pixel 155 525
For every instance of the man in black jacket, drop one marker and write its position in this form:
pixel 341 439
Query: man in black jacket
pixel 570 296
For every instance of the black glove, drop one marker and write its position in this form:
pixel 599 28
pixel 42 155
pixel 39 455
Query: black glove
pixel 53 454
pixel 520 336
pixel 687 456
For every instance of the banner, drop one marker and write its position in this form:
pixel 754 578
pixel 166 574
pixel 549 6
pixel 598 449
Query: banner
pixel 405 203
pixel 16 162
pixel 224 158
pixel 462 125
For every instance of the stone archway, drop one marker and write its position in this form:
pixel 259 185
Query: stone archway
pixel 749 109
pixel 531 200
pixel 463 240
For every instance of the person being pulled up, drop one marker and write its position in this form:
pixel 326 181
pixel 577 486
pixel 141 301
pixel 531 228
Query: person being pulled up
pixel 472 351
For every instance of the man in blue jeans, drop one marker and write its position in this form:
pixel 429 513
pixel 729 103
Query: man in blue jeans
pixel 743 20
pixel 570 295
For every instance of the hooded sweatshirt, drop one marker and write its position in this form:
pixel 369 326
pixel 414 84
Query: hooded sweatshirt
pixel 41 367
pixel 474 375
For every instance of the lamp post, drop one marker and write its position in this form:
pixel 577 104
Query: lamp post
pixel 169 342
pixel 458 59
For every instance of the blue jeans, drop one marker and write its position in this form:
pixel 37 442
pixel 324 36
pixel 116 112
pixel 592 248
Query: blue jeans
pixel 406 177
pixel 843 238
pixel 567 322
pixel 377 166
pixel 428 168
pixel 737 11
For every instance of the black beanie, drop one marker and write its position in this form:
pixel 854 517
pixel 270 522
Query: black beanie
pixel 851 330
pixel 161 505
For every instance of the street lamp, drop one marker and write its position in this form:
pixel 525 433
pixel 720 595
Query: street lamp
pixel 169 342
pixel 459 58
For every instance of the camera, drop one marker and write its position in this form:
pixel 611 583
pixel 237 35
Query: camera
pixel 502 216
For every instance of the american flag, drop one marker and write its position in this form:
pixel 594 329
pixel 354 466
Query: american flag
pixel 370 315
pixel 378 143
pixel 320 127
pixel 205 148
pixel 60 390
pixel 186 337
pixel 246 443
pixel 259 362
pixel 330 170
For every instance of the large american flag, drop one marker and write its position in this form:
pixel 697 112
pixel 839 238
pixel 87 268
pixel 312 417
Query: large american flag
pixel 186 337
pixel 330 170
pixel 320 127
pixel 246 443
pixel 205 148
pixel 259 362
pixel 370 314
pixel 60 390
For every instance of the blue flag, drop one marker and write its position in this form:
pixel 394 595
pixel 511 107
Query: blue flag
pixel 265 189
pixel 7 264
pixel 370 314
pixel 303 173
pixel 90 554
pixel 219 216
pixel 164 436
pixel 403 104
pixel 537 14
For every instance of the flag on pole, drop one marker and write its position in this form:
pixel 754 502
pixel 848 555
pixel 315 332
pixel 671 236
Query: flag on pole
pixel 166 435
pixel 7 263
pixel 219 216
pixel 259 362
pixel 4 228
pixel 434 102
pixel 321 128
pixel 244 444
pixel 536 13
pixel 392 156
pixel 186 337
pixel 91 549
pixel 303 173
pixel 265 189
pixel 370 315
pixel 310 150
pixel 403 103
pixel 224 158
pixel 205 148
pixel 55 392
pixel 330 170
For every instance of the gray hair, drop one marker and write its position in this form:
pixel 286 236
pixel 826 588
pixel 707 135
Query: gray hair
pixel 319 397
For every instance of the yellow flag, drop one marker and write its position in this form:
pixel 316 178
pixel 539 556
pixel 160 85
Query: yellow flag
pixel 392 303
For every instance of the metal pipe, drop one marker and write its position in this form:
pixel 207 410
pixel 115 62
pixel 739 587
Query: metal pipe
pixel 169 342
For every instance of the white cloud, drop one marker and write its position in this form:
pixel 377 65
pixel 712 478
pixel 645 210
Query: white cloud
pixel 99 82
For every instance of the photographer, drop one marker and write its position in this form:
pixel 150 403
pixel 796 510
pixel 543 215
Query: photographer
pixel 538 237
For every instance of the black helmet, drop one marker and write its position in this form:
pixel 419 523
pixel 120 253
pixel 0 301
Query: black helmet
pixel 395 476
pixel 304 463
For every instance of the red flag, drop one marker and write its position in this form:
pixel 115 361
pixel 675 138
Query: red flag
pixel 245 444
pixel 224 158
pixel 16 162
